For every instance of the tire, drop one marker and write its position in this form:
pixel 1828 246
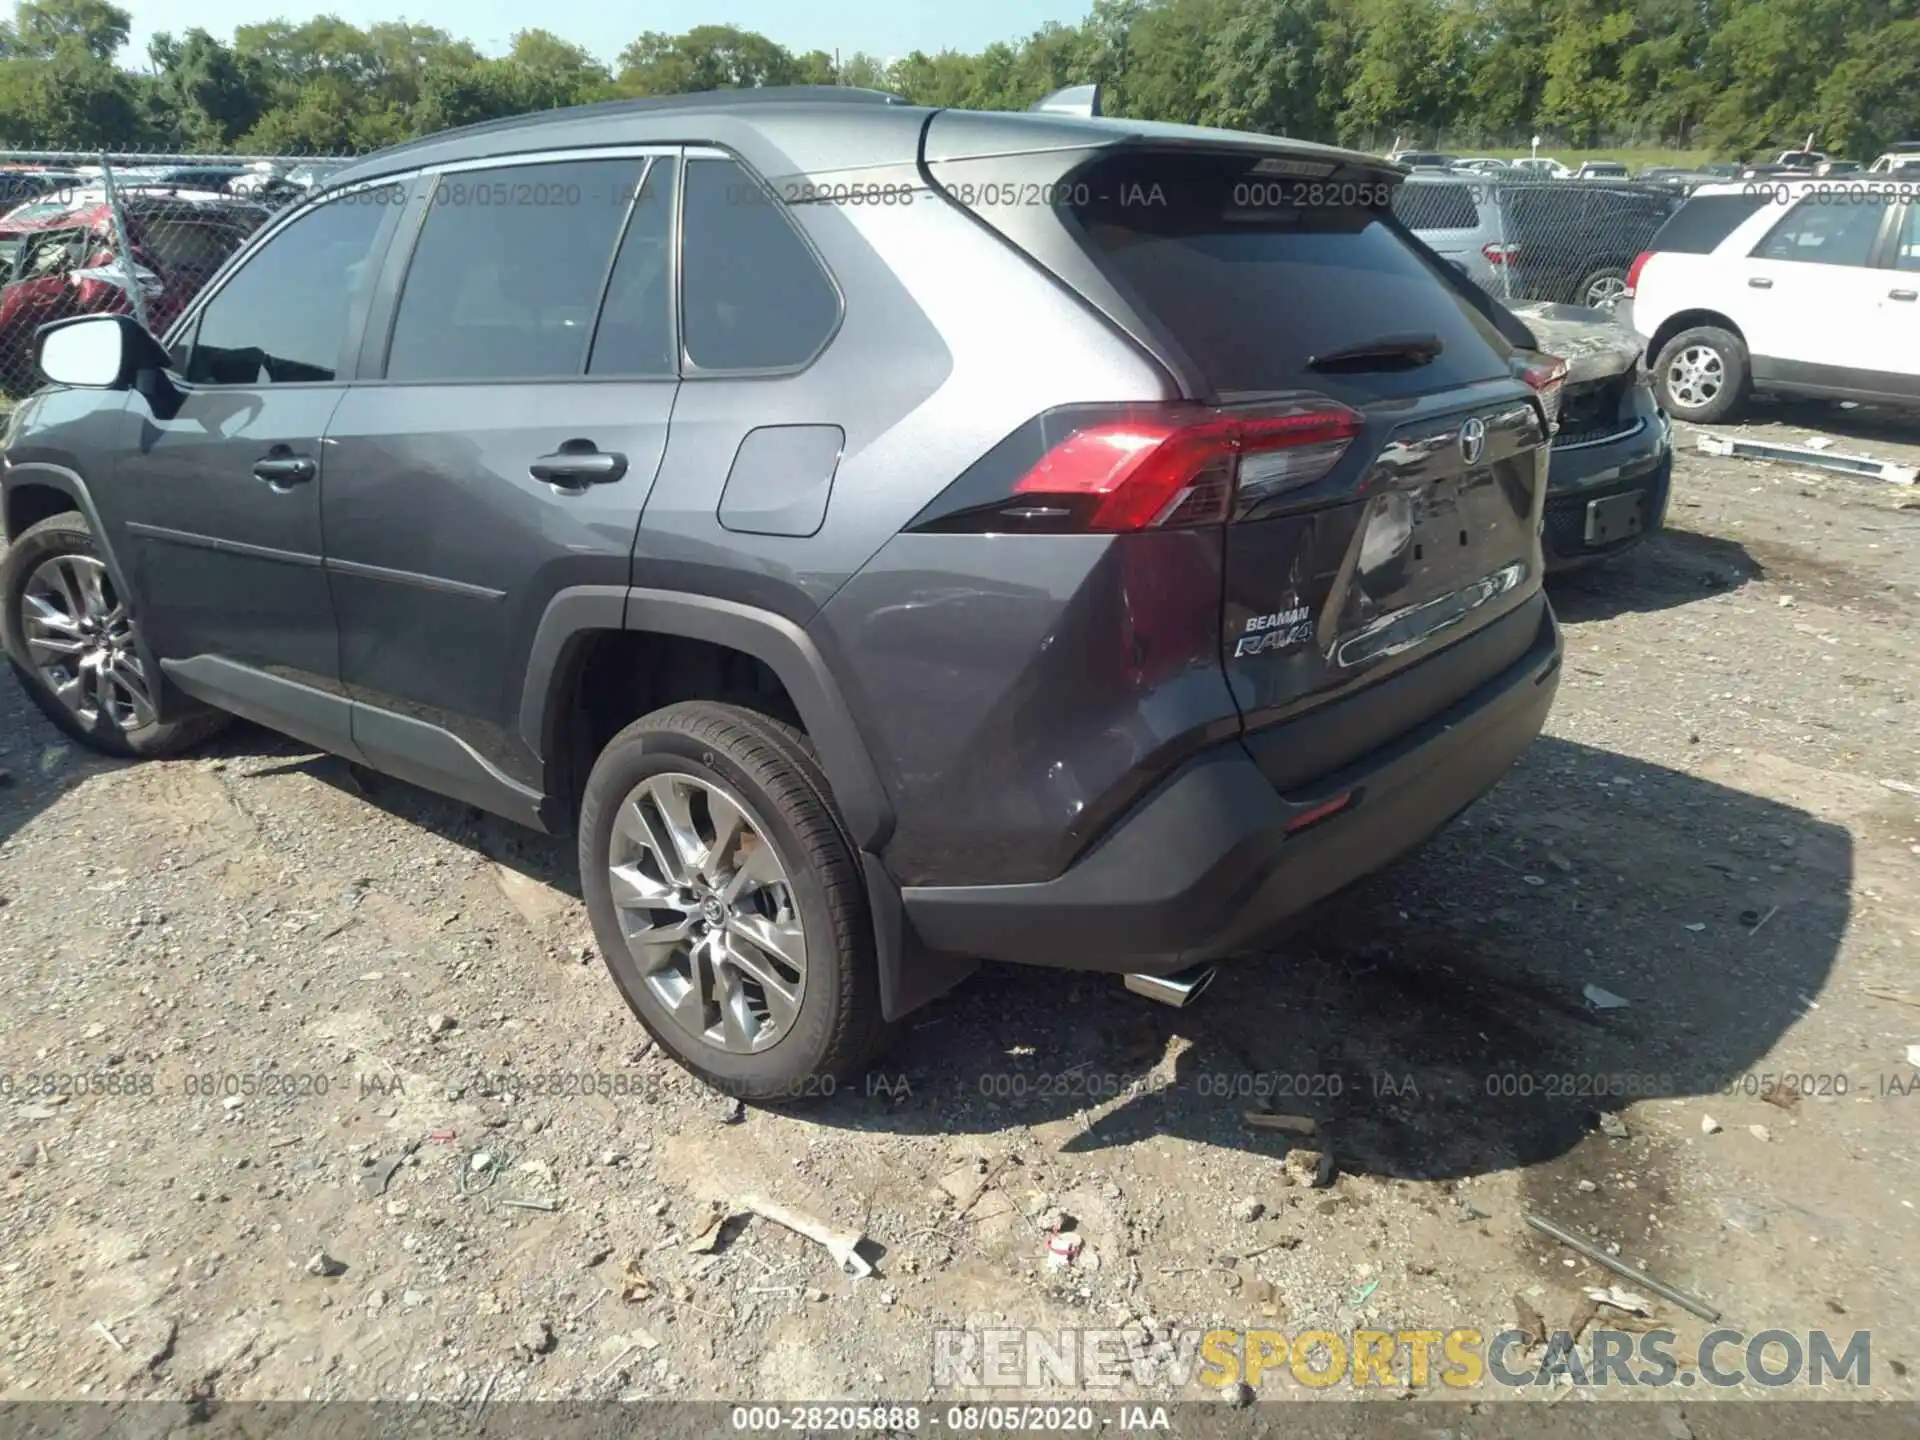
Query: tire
pixel 686 755
pixel 102 717
pixel 1703 375
pixel 1611 278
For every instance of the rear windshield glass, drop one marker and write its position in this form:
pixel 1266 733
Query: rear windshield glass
pixel 1256 275
pixel 1698 227
pixel 1436 207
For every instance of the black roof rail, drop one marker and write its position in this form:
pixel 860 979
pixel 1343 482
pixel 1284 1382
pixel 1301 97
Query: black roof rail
pixel 653 105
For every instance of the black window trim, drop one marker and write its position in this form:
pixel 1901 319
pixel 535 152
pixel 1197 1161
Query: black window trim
pixel 392 285
pixel 186 325
pixel 689 369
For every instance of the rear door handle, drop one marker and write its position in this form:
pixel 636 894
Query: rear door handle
pixel 1760 282
pixel 1901 294
pixel 577 463
pixel 280 471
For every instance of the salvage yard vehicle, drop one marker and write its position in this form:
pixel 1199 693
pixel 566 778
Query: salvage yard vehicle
pixel 1794 287
pixel 1537 240
pixel 889 537
pixel 67 261
pixel 1612 467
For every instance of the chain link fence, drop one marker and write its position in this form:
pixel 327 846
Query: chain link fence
pixel 95 233
pixel 1570 241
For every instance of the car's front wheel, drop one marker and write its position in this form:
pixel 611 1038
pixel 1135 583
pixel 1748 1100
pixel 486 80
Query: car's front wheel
pixel 1702 374
pixel 71 638
pixel 727 901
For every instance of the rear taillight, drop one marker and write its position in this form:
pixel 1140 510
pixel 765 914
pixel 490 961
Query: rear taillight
pixel 1546 374
pixel 1498 254
pixel 1633 273
pixel 1108 470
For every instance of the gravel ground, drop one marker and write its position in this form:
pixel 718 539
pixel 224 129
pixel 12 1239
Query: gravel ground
pixel 300 1002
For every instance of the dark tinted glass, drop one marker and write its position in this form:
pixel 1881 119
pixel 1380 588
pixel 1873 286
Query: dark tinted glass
pixel 1253 294
pixel 1436 207
pixel 752 296
pixel 283 317
pixel 184 245
pixel 636 321
pixel 1824 230
pixel 506 278
pixel 1698 227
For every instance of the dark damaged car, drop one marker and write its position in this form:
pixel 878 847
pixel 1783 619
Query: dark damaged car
pixel 1612 466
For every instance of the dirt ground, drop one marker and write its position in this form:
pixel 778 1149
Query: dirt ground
pixel 272 978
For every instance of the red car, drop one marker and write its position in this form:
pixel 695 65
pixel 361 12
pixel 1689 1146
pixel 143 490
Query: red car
pixel 68 263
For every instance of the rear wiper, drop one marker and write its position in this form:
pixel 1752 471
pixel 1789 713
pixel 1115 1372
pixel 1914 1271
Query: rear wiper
pixel 1386 352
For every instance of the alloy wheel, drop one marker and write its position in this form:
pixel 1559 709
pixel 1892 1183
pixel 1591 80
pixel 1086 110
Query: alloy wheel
pixel 708 912
pixel 1606 292
pixel 82 641
pixel 1695 376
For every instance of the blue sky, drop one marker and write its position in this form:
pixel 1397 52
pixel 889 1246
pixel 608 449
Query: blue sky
pixel 886 28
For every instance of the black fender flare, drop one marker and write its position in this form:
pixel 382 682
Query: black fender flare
pixel 910 975
pixel 780 644
pixel 53 476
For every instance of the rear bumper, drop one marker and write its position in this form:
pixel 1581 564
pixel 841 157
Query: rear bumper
pixel 1638 463
pixel 1205 865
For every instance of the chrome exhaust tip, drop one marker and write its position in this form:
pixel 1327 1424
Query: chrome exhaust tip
pixel 1179 989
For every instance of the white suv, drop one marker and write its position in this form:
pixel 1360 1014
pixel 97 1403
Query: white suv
pixel 1806 287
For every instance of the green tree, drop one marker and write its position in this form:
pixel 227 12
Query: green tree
pixel 212 95
pixel 1163 54
pixel 707 57
pixel 39 26
pixel 864 71
pixel 1406 70
pixel 1264 69
pixel 1585 95
pixel 70 98
pixel 1872 98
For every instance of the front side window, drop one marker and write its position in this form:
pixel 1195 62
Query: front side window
pixel 752 296
pixel 506 278
pixel 1825 230
pixel 282 319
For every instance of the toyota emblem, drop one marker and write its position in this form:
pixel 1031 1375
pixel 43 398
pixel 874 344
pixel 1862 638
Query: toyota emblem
pixel 1473 440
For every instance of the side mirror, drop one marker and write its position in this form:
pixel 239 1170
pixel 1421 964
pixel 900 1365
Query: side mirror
pixel 97 352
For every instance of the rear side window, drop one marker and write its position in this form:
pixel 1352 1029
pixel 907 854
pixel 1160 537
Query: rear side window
pixel 1698 227
pixel 1436 207
pixel 1823 231
pixel 636 321
pixel 1254 294
pixel 505 281
pixel 751 293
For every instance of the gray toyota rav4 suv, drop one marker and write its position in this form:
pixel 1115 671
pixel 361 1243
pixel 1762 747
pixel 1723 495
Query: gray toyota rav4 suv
pixel 889 537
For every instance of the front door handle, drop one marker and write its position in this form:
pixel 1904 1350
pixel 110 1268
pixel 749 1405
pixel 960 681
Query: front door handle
pixel 1760 282
pixel 1901 294
pixel 578 463
pixel 280 471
